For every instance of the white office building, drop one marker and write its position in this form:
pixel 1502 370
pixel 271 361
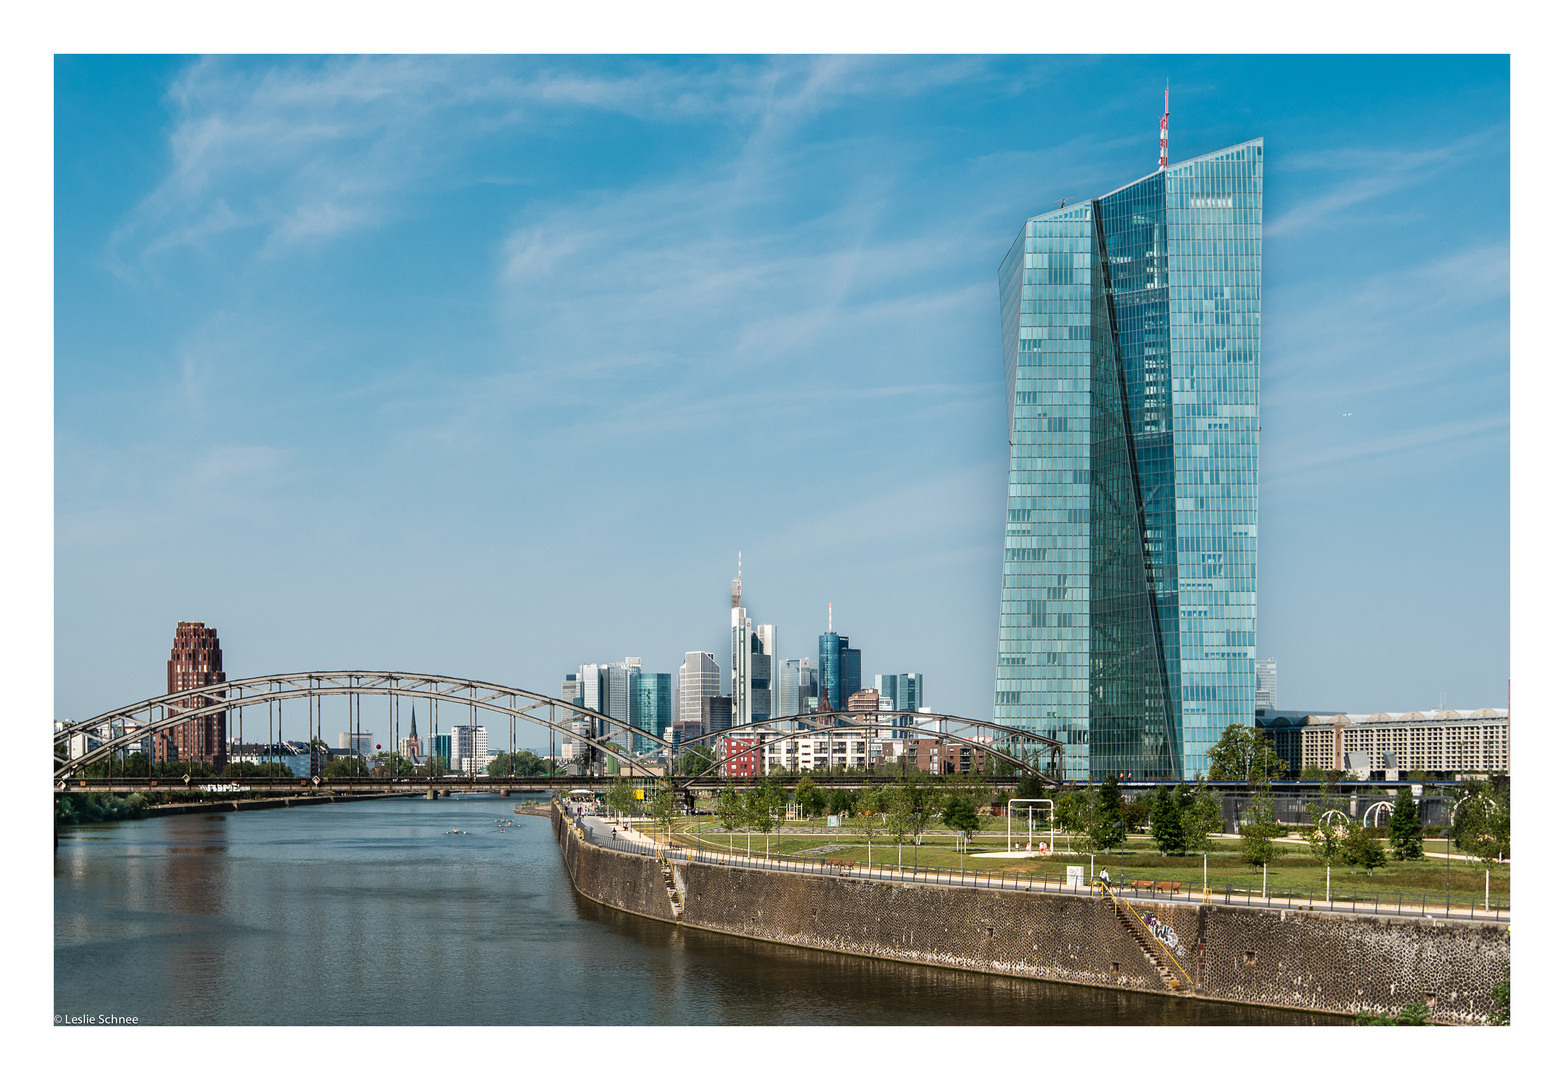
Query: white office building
pixel 809 750
pixel 593 679
pixel 619 683
pixel 1265 684
pixel 469 748
pixel 700 676
pixel 361 743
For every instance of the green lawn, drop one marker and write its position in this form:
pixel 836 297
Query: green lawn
pixel 1296 869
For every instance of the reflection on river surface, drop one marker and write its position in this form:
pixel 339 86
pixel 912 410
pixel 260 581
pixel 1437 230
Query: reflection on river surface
pixel 376 913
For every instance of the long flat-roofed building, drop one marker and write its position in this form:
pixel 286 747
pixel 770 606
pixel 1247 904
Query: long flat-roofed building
pixel 1441 740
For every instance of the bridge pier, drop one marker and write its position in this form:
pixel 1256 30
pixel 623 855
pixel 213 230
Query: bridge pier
pixel 431 794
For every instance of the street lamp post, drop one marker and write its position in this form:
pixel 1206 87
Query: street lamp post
pixel 1447 871
pixel 1124 836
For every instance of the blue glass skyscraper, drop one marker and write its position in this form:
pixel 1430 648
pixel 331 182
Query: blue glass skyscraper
pixel 653 707
pixel 841 669
pixel 1131 330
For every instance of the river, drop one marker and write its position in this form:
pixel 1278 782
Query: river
pixel 378 913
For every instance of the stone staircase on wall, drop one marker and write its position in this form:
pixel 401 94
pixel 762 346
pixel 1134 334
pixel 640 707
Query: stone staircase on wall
pixel 675 897
pixel 1152 950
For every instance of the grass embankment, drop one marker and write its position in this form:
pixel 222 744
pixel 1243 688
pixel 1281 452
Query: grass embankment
pixel 1296 869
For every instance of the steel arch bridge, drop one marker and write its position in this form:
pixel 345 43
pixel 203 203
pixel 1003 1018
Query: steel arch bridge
pixel 975 734
pixel 121 729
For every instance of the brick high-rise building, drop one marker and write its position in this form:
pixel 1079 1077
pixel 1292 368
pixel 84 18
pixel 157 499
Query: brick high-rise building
pixel 196 661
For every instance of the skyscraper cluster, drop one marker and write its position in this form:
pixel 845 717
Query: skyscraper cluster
pixel 641 701
pixel 760 686
pixel 1131 332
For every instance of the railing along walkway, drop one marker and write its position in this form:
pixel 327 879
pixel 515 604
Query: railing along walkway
pixel 1224 894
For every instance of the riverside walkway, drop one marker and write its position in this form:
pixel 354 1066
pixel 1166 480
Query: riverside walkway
pixel 622 836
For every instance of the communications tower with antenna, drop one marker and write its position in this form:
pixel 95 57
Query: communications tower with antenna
pixel 1162 159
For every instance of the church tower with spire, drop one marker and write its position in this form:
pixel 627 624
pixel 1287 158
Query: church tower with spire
pixel 412 748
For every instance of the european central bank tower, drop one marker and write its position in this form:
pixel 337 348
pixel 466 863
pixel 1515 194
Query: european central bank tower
pixel 1131 330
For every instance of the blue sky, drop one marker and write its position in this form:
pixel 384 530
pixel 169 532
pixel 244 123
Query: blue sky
pixel 490 367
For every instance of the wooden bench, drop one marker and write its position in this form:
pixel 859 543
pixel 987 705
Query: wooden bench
pixel 1168 886
pixel 1143 884
pixel 845 864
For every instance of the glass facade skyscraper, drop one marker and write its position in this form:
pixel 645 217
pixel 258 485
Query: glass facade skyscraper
pixel 1131 331
pixel 902 692
pixel 653 707
pixel 841 669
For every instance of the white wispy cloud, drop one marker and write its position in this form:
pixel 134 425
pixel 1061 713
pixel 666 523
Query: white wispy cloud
pixel 1368 174
pixel 303 151
pixel 1389 333
pixel 1350 450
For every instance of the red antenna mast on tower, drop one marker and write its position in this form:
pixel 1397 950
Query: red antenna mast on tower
pixel 1162 159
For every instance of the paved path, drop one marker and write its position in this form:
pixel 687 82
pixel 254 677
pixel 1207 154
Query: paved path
pixel 623 836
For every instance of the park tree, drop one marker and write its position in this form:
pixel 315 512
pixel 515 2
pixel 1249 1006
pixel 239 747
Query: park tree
pixel 899 819
pixel 841 801
pixel 1362 848
pixel 808 797
pixel 1167 831
pixel 730 811
pixel 695 760
pixel 620 797
pixel 1481 822
pixel 761 806
pixel 867 820
pixel 1071 812
pixel 1105 826
pixel 1201 818
pixel 960 814
pixel 1257 837
pixel 1169 819
pixel 1406 831
pixel 664 808
pixel 1244 752
pixel 918 800
pixel 436 764
pixel 1030 786
pixel 1328 837
pixel 1137 811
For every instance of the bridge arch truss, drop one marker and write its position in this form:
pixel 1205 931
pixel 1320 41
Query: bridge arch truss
pixel 124 729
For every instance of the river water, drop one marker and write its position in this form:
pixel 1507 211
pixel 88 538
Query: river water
pixel 377 913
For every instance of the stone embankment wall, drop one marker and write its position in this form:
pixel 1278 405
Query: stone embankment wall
pixel 1316 961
